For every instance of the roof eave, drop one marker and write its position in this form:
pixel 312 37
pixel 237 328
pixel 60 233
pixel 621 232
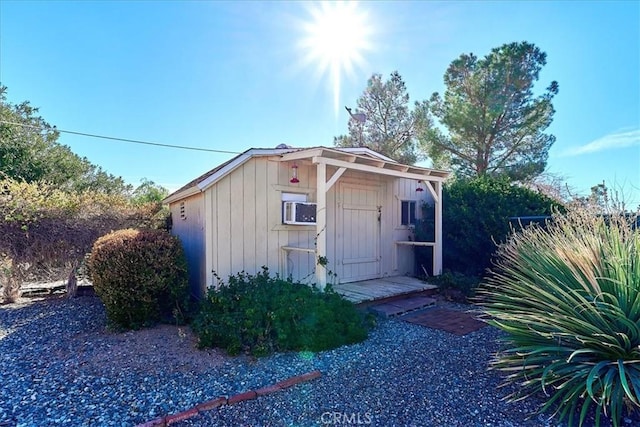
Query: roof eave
pixel 179 195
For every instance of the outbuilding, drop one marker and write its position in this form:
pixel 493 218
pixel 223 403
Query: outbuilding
pixel 316 215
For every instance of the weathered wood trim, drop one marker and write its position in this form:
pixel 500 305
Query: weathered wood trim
pixel 412 243
pixel 181 195
pixel 424 176
pixel 429 186
pixel 437 252
pixel 293 227
pixel 336 176
pixel 297 249
pixel 321 224
pixel 292 189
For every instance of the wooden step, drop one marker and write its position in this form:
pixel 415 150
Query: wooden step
pixel 402 306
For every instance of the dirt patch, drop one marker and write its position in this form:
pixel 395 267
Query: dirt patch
pixel 87 345
pixel 167 347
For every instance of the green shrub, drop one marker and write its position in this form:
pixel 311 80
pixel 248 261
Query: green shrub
pixel 259 314
pixel 569 300
pixel 140 276
pixel 476 216
pixel 455 286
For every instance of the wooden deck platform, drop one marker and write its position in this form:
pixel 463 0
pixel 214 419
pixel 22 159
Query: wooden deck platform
pixel 378 289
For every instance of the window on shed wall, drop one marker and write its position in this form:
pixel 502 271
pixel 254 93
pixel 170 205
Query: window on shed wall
pixel 408 212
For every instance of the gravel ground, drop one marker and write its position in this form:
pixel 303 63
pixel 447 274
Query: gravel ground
pixel 61 367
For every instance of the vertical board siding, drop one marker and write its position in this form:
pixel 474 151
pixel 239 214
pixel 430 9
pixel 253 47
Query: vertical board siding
pixel 282 239
pixel 359 234
pixel 274 214
pixel 246 230
pixel 210 230
pixel 386 227
pixel 223 227
pixel 237 214
pixel 405 259
pixel 250 236
pixel 405 189
pixel 247 209
pixel 190 231
pixel 299 265
pixel 262 228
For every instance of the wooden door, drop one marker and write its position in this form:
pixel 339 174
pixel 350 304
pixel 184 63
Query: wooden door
pixel 358 243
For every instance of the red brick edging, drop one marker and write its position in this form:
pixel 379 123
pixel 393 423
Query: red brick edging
pixel 221 401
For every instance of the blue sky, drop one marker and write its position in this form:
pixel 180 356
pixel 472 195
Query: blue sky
pixel 232 75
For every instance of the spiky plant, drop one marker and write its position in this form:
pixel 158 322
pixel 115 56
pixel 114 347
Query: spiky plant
pixel 568 298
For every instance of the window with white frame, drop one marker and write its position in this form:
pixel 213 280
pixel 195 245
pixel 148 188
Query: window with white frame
pixel 408 209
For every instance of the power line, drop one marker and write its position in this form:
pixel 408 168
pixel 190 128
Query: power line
pixel 132 141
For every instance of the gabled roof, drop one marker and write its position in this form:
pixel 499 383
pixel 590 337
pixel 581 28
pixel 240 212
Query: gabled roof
pixel 361 158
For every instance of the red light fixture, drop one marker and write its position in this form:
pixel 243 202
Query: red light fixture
pixel 294 174
pixel 419 187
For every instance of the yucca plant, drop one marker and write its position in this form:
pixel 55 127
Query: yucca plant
pixel 568 297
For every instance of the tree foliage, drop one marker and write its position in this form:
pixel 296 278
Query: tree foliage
pixel 30 151
pixel 391 127
pixel 605 200
pixel 149 192
pixel 495 125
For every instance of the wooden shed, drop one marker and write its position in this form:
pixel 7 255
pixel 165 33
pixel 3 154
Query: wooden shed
pixel 313 214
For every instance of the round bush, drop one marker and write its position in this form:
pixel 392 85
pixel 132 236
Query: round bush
pixel 140 276
pixel 568 298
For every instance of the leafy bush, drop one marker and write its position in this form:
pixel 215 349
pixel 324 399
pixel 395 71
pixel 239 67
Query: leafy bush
pixel 476 216
pixel 569 300
pixel 260 314
pixel 46 231
pixel 455 286
pixel 140 276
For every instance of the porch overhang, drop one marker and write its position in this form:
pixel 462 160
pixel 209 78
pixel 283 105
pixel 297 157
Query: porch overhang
pixel 366 161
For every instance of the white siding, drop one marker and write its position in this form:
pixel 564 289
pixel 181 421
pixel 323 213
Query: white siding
pixel 405 189
pixel 188 225
pixel 244 229
pixel 246 215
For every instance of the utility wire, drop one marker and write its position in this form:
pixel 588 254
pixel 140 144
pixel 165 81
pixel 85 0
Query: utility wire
pixel 133 141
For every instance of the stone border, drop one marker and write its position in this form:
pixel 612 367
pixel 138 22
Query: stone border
pixel 232 400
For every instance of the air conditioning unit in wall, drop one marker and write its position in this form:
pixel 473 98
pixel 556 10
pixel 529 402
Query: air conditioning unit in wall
pixel 299 213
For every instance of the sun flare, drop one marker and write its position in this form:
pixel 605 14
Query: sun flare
pixel 336 37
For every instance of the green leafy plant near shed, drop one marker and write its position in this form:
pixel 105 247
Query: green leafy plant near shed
pixel 476 216
pixel 260 314
pixel 569 300
pixel 140 276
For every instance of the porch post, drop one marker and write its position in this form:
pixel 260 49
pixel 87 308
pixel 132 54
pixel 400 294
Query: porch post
pixel 321 224
pixel 437 250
